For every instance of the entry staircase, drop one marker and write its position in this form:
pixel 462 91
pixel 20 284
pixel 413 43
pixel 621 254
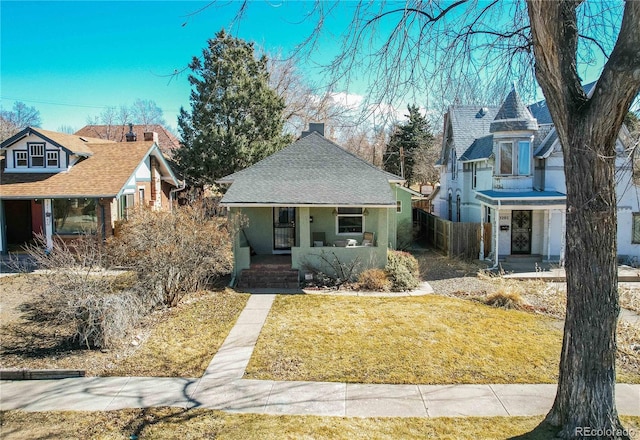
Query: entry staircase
pixel 269 272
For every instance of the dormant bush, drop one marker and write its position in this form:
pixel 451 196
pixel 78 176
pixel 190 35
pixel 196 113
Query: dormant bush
pixel 174 253
pixel 98 305
pixel 403 271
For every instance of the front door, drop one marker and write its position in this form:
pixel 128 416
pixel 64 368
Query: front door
pixel 521 232
pixel 17 214
pixel 284 229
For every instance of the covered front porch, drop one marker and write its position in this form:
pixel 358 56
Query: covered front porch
pixel 309 235
pixel 525 224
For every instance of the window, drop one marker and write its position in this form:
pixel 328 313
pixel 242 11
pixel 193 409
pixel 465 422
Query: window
pixel 454 164
pixel 126 203
pixel 524 158
pixel 75 216
pixel 398 206
pixel 488 215
pixel 506 158
pixel 141 196
pixel 36 151
pixel 21 159
pixel 350 221
pixel 458 205
pixel 635 233
pixel 52 159
pixel 515 161
pixel 450 207
pixel 474 175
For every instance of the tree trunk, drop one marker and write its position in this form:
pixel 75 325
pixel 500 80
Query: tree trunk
pixel 586 389
pixel 587 127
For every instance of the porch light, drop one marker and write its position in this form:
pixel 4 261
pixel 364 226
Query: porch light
pixel 335 212
pixel 310 219
pixel 365 212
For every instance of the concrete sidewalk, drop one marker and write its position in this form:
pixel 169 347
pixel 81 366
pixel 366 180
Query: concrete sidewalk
pixel 222 387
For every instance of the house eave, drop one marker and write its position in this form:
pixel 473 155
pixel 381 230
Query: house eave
pixel 305 205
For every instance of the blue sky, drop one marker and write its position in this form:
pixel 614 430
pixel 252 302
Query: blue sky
pixel 72 59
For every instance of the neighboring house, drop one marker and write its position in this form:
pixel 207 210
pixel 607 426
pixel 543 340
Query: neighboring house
pixel 313 199
pixel 118 133
pixel 63 185
pixel 504 166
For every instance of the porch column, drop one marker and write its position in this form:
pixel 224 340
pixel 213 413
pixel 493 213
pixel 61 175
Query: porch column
pixel 304 227
pixel 549 214
pixel 563 243
pixel 496 220
pixel 3 230
pixel 48 222
pixel 383 228
pixel 482 217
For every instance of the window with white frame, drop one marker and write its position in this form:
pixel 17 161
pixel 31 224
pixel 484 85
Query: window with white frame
pixel 36 154
pixel 398 206
pixel 454 164
pixel 52 159
pixel 474 175
pixel 515 158
pixel 21 159
pixel 350 221
pixel 635 232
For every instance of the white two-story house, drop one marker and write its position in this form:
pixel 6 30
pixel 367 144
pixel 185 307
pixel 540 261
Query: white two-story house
pixel 504 166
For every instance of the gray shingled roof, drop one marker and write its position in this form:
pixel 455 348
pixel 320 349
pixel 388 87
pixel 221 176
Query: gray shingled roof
pixel 469 123
pixel 481 148
pixel 311 171
pixel 513 115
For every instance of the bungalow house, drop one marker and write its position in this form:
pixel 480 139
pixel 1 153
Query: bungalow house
pixel 313 201
pixel 63 185
pixel 504 166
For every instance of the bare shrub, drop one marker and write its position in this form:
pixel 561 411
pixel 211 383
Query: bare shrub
pixel 329 271
pixel 82 294
pixel 375 280
pixel 174 253
pixel 505 299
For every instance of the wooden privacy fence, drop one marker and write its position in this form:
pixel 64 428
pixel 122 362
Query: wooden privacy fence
pixel 453 239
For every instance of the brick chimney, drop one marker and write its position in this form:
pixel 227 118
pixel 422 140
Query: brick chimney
pixel 151 136
pixel 131 136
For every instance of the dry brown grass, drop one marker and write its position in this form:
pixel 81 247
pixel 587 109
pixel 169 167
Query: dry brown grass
pixel 178 341
pixel 429 340
pixel 176 423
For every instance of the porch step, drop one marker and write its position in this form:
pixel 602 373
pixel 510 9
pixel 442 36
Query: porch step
pixel 523 259
pixel 269 276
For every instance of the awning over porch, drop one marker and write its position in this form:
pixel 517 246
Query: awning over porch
pixel 533 200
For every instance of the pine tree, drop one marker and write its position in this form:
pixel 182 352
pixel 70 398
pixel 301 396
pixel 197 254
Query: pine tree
pixel 235 119
pixel 408 142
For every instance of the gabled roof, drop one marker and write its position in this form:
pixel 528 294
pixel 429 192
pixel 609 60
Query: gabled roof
pixel 513 115
pixel 166 140
pixel 104 174
pixel 311 171
pixel 480 149
pixel 72 143
pixel 469 123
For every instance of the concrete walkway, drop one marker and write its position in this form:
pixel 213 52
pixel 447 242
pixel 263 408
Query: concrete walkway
pixel 222 387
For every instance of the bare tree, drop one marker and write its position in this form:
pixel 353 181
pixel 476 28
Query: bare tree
pixel 146 112
pixel 441 50
pixel 21 116
pixel 305 103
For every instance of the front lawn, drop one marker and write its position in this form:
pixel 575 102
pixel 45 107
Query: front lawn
pixel 413 340
pixel 176 423
pixel 179 341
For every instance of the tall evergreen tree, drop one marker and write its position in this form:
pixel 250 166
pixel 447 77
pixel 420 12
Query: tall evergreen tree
pixel 408 142
pixel 235 118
